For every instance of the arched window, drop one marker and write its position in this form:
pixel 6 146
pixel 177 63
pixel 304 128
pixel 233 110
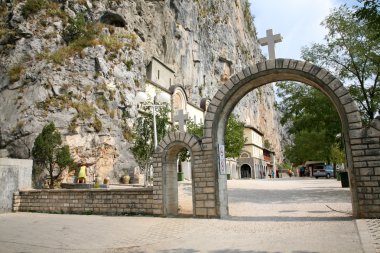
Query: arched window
pixel 179 100
pixel 244 155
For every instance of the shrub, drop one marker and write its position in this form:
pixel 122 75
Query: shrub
pixel 85 110
pixel 31 7
pixel 77 28
pixel 102 103
pixel 97 124
pixel 129 64
pixel 73 125
pixel 49 153
pixel 15 73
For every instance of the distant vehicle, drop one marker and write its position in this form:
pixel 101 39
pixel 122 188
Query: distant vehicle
pixel 323 171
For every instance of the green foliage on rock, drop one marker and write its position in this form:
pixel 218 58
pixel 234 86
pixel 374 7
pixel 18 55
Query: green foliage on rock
pixel 15 73
pixel 50 155
pixel 97 124
pixel 352 52
pixel 78 27
pixel 33 6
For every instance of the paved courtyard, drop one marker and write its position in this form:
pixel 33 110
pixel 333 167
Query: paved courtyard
pixel 278 215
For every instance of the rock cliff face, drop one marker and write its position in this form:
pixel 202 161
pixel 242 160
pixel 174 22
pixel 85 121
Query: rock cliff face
pixel 79 64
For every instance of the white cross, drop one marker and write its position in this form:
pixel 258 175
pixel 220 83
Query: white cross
pixel 270 41
pixel 181 118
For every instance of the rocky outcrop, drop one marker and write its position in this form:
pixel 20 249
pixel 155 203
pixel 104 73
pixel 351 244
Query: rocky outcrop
pixel 79 64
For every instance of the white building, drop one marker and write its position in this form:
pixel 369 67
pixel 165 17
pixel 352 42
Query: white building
pixel 160 79
pixel 251 163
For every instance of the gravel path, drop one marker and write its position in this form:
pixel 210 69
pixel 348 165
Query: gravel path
pixel 267 216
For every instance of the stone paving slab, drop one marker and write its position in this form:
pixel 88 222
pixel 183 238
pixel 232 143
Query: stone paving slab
pixel 267 217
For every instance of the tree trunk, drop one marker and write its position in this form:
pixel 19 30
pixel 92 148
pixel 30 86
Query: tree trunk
pixel 51 182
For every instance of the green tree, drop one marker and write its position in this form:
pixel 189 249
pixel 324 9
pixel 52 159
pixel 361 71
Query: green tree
pixel 352 54
pixel 48 153
pixel 369 12
pixel 194 129
pixel 311 120
pixel 309 145
pixel 234 137
pixel 143 146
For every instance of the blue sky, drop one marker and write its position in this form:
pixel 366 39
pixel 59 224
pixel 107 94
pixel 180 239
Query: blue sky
pixel 298 21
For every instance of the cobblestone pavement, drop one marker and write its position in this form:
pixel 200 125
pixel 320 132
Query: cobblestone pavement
pixel 374 229
pixel 267 216
pixel 369 231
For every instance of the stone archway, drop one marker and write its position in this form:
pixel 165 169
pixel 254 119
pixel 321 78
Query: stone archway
pixel 362 145
pixel 165 185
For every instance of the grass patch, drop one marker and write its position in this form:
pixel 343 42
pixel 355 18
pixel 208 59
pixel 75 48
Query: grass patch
pixel 32 7
pixel 127 132
pixel 85 110
pixel 129 64
pixel 73 125
pixel 97 124
pixel 102 103
pixel 15 73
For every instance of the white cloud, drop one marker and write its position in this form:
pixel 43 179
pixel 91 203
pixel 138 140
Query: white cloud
pixel 298 21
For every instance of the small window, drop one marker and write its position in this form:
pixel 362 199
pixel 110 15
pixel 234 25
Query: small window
pixel 158 74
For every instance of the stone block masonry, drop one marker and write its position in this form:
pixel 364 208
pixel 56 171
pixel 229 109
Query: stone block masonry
pixel 85 201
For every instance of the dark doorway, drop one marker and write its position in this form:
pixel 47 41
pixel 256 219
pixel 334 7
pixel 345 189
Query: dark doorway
pixel 245 171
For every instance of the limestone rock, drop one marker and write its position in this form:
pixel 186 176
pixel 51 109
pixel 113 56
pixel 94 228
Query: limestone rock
pixel 204 42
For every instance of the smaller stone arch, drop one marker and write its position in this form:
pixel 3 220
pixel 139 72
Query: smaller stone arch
pixel 165 185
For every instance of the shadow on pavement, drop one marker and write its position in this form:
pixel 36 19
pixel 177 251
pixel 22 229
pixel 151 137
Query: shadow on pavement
pixel 287 196
pixel 287 218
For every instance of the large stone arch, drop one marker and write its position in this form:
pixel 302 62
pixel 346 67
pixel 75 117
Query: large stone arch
pixel 165 200
pixel 361 144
